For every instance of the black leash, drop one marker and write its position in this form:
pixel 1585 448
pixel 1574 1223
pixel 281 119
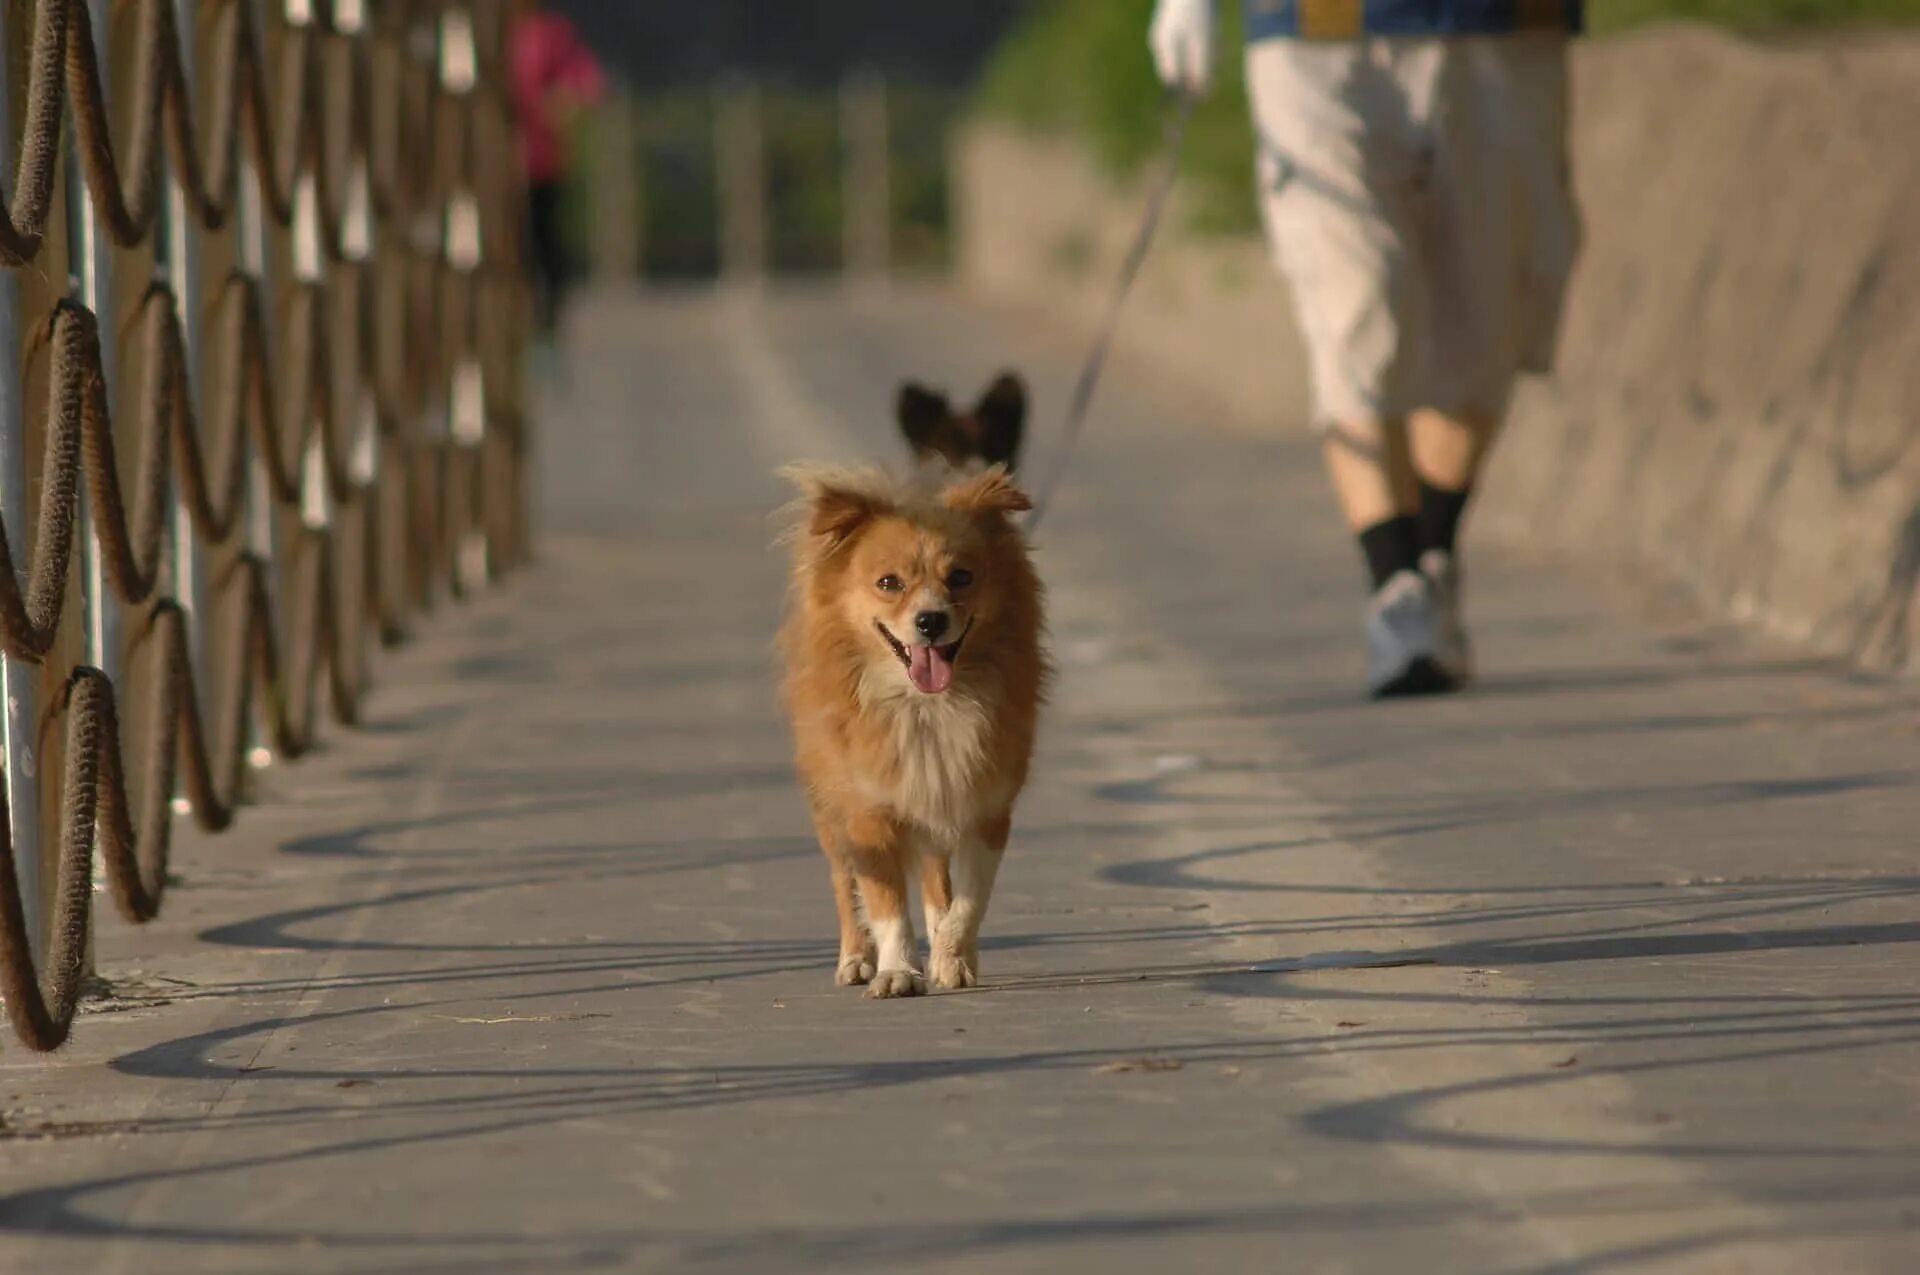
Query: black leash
pixel 1176 132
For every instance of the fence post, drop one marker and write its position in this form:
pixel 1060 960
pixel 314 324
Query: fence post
pixel 90 282
pixel 177 254
pixel 309 272
pixel 357 247
pixel 19 680
pixel 250 232
pixel 741 154
pixel 618 193
pixel 462 248
pixel 867 201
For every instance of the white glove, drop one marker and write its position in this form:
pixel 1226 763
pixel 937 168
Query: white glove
pixel 1181 37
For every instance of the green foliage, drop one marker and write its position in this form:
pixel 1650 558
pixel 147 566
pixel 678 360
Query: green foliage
pixel 680 207
pixel 920 121
pixel 804 194
pixel 1081 67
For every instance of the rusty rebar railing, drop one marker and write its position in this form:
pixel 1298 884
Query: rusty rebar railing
pixel 260 323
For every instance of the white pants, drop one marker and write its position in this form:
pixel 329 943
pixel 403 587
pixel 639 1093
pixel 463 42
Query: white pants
pixel 1416 196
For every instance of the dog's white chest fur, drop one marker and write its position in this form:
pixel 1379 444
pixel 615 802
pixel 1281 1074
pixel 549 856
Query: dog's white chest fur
pixel 940 760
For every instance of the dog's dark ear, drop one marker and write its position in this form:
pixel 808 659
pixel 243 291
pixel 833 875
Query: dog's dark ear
pixel 838 503
pixel 920 411
pixel 990 491
pixel 1002 413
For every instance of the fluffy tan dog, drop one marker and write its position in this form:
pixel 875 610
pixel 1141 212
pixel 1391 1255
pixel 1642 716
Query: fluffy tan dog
pixel 915 675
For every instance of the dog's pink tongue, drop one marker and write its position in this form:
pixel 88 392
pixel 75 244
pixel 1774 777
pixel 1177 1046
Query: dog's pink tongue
pixel 929 670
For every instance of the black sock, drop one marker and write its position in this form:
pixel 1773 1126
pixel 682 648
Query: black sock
pixel 1440 515
pixel 1391 546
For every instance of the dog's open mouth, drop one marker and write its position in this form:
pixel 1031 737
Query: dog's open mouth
pixel 929 667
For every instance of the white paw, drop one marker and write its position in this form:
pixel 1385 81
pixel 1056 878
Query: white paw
pixel 888 984
pixel 952 969
pixel 855 968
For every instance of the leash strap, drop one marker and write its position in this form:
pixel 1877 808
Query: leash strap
pixel 1176 132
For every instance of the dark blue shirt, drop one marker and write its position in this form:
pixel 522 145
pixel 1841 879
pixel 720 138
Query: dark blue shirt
pixel 1350 19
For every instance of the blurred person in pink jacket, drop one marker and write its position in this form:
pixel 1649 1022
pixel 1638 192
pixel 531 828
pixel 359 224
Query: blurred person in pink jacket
pixel 552 76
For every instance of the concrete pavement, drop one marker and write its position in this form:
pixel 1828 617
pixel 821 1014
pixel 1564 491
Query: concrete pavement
pixel 535 974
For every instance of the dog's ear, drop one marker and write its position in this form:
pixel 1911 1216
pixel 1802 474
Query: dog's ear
pixel 1002 413
pixel 920 411
pixel 990 491
pixel 838 512
pixel 837 504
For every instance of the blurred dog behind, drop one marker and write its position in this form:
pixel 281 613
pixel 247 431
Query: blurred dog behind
pixel 988 434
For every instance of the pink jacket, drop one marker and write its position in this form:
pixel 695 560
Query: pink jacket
pixel 549 68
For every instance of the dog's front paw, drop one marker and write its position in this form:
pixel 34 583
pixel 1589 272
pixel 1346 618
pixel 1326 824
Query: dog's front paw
pixel 888 984
pixel 855 969
pixel 952 969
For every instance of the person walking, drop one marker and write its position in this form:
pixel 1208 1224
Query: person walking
pixel 552 75
pixel 1414 188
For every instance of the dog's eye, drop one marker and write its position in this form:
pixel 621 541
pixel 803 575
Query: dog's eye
pixel 959 578
pixel 890 584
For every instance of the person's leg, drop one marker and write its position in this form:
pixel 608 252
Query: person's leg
pixel 547 262
pixel 1498 233
pixel 1498 141
pixel 1447 450
pixel 559 262
pixel 1337 183
pixel 1372 473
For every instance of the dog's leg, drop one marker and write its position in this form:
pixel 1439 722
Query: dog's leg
pixel 956 944
pixel 936 891
pixel 856 945
pixel 878 851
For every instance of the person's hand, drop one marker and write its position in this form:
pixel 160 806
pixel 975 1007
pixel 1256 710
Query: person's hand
pixel 1181 37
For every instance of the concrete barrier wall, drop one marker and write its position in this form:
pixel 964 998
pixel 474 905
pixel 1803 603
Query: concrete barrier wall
pixel 1739 397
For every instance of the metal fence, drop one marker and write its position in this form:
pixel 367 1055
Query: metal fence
pixel 260 405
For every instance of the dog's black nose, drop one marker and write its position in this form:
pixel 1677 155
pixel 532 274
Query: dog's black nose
pixel 931 624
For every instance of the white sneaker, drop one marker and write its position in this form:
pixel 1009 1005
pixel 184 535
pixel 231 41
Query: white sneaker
pixel 1451 647
pixel 1402 643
